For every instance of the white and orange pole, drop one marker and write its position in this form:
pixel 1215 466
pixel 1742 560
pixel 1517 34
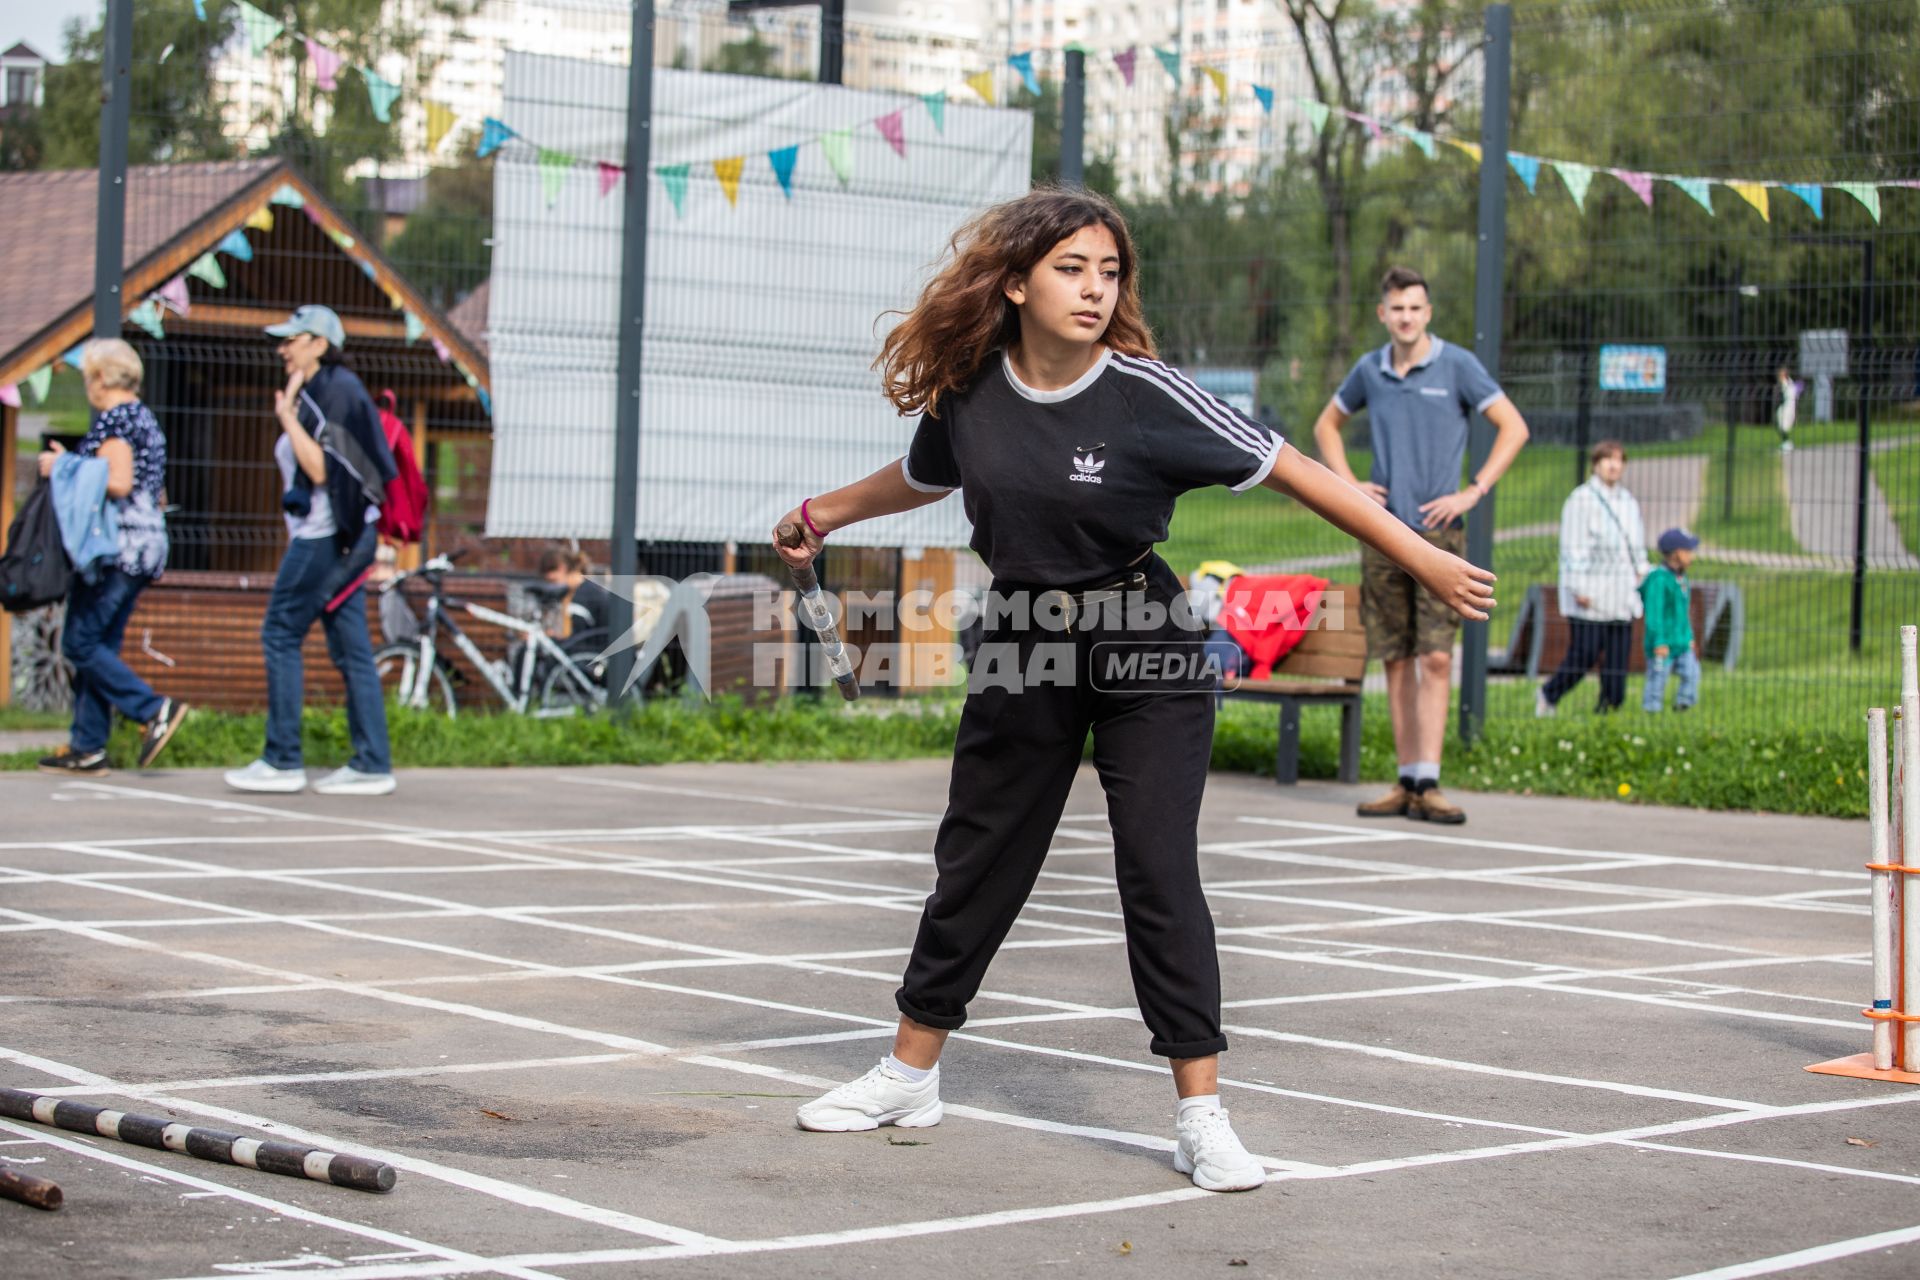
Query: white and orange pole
pixel 1907 848
pixel 1885 886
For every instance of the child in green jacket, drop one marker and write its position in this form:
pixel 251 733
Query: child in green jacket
pixel 1669 636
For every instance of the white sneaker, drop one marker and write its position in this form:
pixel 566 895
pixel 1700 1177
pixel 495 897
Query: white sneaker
pixel 347 781
pixel 261 776
pixel 882 1096
pixel 1542 709
pixel 1209 1150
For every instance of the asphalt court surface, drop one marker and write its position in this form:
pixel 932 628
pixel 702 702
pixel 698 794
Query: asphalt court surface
pixel 576 1008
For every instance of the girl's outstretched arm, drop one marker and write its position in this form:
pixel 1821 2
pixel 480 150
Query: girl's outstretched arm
pixel 1467 589
pixel 884 493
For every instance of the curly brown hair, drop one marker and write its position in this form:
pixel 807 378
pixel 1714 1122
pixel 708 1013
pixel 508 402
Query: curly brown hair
pixel 963 314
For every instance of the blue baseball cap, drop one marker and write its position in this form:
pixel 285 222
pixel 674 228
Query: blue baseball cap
pixel 317 320
pixel 1677 540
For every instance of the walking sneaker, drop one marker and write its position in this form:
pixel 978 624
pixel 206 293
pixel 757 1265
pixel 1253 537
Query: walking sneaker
pixel 263 777
pixel 67 762
pixel 160 729
pixel 1394 804
pixel 348 781
pixel 1430 806
pixel 1210 1150
pixel 882 1096
pixel 1542 709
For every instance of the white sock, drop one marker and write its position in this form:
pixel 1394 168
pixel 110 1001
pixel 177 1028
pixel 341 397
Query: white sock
pixel 1199 1102
pixel 1425 770
pixel 913 1075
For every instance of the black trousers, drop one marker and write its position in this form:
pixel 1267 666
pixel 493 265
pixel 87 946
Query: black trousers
pixel 1013 764
pixel 1610 643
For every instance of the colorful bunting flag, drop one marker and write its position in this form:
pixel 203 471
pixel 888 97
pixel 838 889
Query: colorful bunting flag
pixel 381 92
pixel 1699 188
pixel 440 349
pixel 366 269
pixel 74 353
pixel 486 401
pixel 838 145
pixel 892 130
pixel 1528 167
pixel 1373 126
pixel 262 29
pixel 1023 63
pixel 10 394
pixel 675 177
pixel 147 316
pixel 1265 95
pixel 1640 183
pixel 1865 192
pixel 260 219
pixel 236 245
pixel 937 108
pixel 1418 137
pixel 1809 194
pixel 200 9
pixel 340 238
pixel 610 175
pixel 313 216
pixel 394 299
pixel 207 267
pixel 1318 112
pixel 1754 194
pixel 174 294
pixel 414 327
pixel 783 161
pixel 287 197
pixel 981 82
pixel 440 122
pixel 1124 60
pixel 553 173
pixel 1219 79
pixel 728 171
pixel 325 64
pixel 1170 59
pixel 1577 178
pixel 492 135
pixel 1472 149
pixel 40 381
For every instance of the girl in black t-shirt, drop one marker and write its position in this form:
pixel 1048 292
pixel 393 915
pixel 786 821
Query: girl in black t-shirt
pixel 1032 370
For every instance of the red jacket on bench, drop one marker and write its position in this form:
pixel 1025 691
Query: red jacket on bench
pixel 1268 615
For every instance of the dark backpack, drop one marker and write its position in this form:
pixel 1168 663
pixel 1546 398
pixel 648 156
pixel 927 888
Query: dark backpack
pixel 403 512
pixel 35 569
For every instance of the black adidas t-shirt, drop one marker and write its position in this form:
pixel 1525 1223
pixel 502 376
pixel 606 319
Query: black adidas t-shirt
pixel 1066 487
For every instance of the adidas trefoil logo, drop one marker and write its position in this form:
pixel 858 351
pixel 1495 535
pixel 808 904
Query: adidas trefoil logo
pixel 1086 470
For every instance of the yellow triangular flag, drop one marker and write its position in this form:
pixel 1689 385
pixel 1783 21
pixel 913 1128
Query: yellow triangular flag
pixel 1754 194
pixel 394 298
pixel 1471 148
pixel 981 82
pixel 728 171
pixel 440 120
pixel 1219 79
pixel 260 219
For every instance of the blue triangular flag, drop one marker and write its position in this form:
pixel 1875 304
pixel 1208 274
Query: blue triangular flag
pixel 486 401
pixel 937 108
pixel 1809 192
pixel 1023 63
pixel 1170 59
pixel 381 92
pixel 236 244
pixel 782 162
pixel 287 196
pixel 1528 167
pixel 1265 95
pixel 492 135
pixel 366 268
pixel 73 357
pixel 414 327
pixel 200 9
pixel 675 178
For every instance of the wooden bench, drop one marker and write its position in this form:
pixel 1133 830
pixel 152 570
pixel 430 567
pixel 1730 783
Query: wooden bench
pixel 1326 667
pixel 1541 633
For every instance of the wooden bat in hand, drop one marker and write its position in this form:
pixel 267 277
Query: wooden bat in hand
pixel 813 604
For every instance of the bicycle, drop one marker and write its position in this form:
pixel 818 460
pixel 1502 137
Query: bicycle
pixel 545 678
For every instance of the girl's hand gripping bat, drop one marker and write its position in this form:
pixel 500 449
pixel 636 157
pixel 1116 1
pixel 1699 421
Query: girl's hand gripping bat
pixel 819 616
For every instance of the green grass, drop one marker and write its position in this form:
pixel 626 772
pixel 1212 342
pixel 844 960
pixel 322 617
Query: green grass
pixel 1761 519
pixel 12 718
pixel 1897 472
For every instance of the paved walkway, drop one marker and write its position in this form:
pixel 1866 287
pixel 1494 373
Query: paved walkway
pixel 1821 489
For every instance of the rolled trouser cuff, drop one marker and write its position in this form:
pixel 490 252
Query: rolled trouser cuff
pixel 1186 1048
pixel 939 1022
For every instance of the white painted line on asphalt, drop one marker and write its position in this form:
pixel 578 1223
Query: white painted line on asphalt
pixel 1811 1257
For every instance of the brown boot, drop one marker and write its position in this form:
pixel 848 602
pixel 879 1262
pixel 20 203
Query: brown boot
pixel 1397 803
pixel 1430 806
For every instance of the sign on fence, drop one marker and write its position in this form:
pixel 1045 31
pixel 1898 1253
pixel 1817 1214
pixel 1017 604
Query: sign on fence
pixel 1633 368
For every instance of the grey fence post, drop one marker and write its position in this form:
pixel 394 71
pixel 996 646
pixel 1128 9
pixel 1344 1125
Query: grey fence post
pixel 1489 286
pixel 1862 361
pixel 633 307
pixel 1073 121
pixel 110 207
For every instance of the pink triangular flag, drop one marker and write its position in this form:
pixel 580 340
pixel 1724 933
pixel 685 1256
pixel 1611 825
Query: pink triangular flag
pixel 1642 184
pixel 890 128
pixel 313 216
pixel 440 349
pixel 174 294
pixel 1373 126
pixel 325 63
pixel 1124 61
pixel 10 394
pixel 610 175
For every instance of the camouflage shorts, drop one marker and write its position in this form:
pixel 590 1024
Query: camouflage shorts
pixel 1403 619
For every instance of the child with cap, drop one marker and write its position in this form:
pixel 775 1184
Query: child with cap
pixel 1669 634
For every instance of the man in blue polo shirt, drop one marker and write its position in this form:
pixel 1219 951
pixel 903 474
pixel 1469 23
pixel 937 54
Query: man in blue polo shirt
pixel 1419 393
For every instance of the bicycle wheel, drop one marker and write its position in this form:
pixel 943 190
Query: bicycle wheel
pixel 565 693
pixel 398 666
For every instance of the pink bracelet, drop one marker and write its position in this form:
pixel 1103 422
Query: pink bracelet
pixel 808 520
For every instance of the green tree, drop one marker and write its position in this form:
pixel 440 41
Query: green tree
pixel 1097 171
pixel 175 113
pixel 443 248
pixel 751 57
